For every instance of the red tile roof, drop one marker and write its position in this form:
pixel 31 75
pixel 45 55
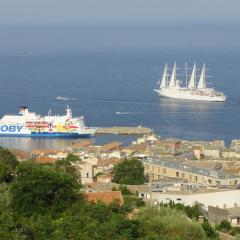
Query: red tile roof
pixel 112 146
pixel 44 160
pixel 43 151
pixel 82 144
pixel 20 154
pixel 105 197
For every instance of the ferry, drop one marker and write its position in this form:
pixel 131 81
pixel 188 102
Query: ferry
pixel 29 124
pixel 192 91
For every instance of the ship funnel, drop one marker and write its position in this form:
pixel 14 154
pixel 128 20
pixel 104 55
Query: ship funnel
pixel 23 110
pixel 69 111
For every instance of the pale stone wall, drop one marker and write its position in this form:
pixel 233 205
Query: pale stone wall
pixel 156 172
pixel 221 199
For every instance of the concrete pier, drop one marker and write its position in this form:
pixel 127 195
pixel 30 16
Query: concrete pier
pixel 125 130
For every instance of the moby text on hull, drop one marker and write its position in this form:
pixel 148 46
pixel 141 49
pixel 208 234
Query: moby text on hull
pixel 192 91
pixel 29 124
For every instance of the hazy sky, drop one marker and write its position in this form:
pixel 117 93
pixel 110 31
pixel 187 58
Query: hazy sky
pixel 95 11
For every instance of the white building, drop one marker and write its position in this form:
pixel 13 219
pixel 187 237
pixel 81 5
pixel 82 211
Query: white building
pixel 221 199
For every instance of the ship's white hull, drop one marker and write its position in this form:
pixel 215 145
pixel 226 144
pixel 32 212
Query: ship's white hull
pixel 27 124
pixel 22 131
pixel 186 94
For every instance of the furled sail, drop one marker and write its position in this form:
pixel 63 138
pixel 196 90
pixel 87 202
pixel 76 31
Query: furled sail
pixel 164 78
pixel 202 82
pixel 193 77
pixel 172 82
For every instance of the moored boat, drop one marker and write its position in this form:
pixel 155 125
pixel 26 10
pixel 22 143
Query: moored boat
pixel 29 124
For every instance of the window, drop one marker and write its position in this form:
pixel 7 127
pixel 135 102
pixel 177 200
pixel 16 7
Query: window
pixel 195 178
pixel 87 175
pixel 217 182
pixel 177 174
pixel 182 174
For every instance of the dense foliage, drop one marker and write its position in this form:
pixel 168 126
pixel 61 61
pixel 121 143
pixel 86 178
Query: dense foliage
pixel 40 188
pixel 191 211
pixel 167 224
pixel 226 227
pixel 209 230
pixel 129 172
pixel 43 202
pixel 8 163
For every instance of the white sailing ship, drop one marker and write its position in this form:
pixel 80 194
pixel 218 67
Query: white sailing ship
pixel 192 91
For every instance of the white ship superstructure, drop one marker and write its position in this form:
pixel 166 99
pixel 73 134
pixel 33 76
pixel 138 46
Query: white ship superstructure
pixel 30 124
pixel 192 91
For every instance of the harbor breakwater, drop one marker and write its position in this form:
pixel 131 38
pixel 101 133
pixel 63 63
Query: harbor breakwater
pixel 125 130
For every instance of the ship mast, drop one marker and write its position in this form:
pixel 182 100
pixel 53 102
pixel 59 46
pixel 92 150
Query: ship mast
pixel 186 74
pixel 164 80
pixel 193 77
pixel 202 81
pixel 172 82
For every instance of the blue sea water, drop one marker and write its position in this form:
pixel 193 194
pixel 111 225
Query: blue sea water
pixel 98 82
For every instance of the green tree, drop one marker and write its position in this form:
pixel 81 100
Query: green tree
pixel 129 172
pixel 72 158
pixel 209 230
pixel 193 211
pixel 8 163
pixel 225 225
pixel 42 188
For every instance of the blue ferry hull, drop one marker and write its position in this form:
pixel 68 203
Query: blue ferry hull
pixel 48 135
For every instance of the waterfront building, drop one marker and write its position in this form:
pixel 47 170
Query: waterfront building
pixel 166 147
pixel 157 169
pixel 228 153
pixel 212 152
pixel 113 146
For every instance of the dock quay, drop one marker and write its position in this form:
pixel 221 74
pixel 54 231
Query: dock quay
pixel 125 130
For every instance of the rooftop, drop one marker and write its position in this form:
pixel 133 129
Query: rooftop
pixel 45 160
pixel 105 197
pixel 111 146
pixel 20 154
pixel 80 144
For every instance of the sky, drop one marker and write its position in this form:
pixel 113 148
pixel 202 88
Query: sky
pixel 111 11
pixel 29 26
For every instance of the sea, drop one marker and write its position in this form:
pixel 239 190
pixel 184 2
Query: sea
pixel 108 73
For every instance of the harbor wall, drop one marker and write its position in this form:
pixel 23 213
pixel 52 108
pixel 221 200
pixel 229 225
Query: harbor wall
pixel 125 130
